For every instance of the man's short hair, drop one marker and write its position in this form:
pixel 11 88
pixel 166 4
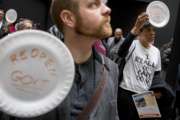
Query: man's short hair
pixel 57 6
pixel 146 25
pixel 118 30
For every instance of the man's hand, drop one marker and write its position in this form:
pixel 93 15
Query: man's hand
pixel 141 19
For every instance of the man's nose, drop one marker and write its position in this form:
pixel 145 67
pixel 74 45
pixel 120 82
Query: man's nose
pixel 106 10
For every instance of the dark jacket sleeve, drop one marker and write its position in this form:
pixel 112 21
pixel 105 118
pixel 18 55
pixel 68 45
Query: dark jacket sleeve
pixel 160 84
pixel 123 51
pixel 166 101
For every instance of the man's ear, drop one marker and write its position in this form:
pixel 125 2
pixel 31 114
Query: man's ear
pixel 68 18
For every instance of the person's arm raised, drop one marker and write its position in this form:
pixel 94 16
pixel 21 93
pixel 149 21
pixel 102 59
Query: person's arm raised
pixel 140 21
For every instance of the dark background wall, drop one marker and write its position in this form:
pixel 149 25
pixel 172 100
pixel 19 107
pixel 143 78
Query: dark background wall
pixel 171 77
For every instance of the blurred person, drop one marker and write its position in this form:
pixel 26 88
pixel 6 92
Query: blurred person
pixel 1 18
pixel 6 27
pixel 118 35
pixel 166 50
pixel 24 24
pixel 3 30
pixel 115 44
pixel 11 27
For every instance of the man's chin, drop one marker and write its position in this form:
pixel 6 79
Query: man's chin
pixel 109 34
pixel 104 31
pixel 104 36
pixel 108 31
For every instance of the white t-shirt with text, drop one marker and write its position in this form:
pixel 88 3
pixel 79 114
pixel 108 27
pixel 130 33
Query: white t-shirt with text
pixel 140 68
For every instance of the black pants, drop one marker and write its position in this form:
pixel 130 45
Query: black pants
pixel 126 106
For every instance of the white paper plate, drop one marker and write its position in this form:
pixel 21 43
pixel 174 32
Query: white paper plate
pixel 11 16
pixel 36 73
pixel 159 14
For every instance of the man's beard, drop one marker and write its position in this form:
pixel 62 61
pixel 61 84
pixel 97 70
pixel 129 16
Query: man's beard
pixel 100 32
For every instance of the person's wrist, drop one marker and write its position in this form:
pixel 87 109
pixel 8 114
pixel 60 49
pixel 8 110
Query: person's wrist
pixel 135 31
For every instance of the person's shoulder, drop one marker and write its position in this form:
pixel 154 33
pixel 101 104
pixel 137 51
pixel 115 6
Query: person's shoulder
pixel 111 66
pixel 155 48
pixel 136 41
pixel 104 60
pixel 109 62
pixel 113 70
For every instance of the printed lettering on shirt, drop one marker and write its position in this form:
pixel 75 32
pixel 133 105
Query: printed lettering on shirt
pixel 145 68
